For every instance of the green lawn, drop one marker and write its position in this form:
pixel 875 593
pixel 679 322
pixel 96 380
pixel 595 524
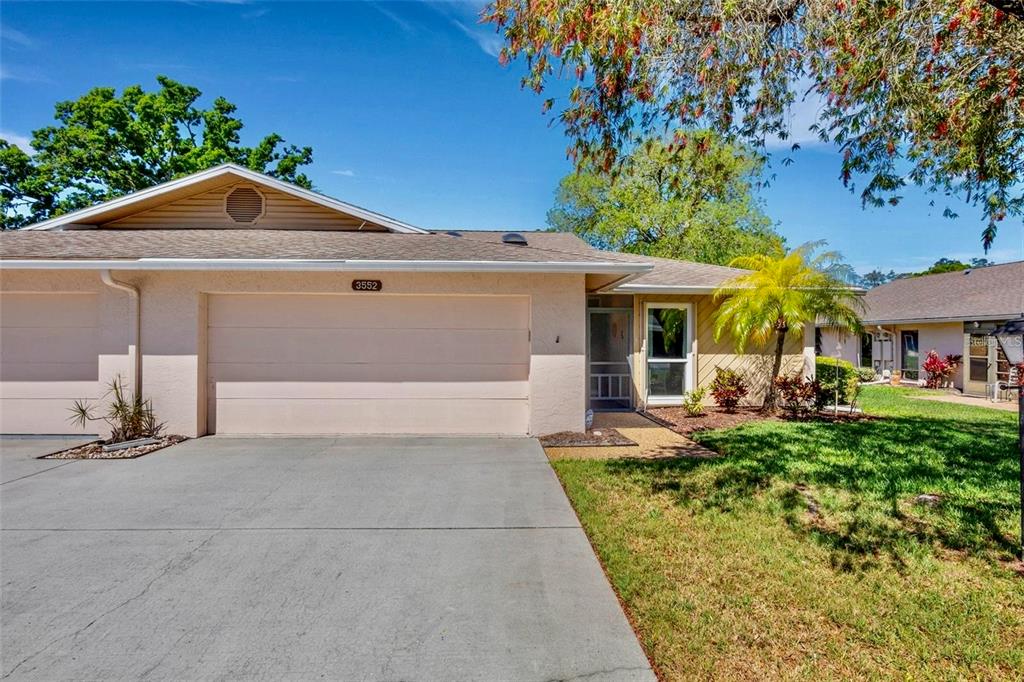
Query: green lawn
pixel 801 553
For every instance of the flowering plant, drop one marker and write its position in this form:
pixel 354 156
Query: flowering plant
pixel 940 370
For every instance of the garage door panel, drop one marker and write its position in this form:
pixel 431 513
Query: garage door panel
pixel 63 311
pixel 82 390
pixel 48 359
pixel 389 372
pixel 48 344
pixel 295 417
pixel 274 345
pixel 369 311
pixel 372 390
pixel 321 364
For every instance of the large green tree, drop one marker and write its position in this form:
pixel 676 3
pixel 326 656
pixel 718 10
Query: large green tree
pixel 695 203
pixel 105 145
pixel 926 92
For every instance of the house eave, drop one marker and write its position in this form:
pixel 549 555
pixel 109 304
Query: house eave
pixel 637 288
pixel 312 265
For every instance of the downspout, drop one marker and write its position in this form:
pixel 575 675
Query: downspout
pixel 135 349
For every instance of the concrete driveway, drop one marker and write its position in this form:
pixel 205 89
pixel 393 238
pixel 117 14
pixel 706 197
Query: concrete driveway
pixel 356 558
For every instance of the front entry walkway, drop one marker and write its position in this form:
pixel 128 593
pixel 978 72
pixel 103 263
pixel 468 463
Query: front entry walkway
pixel 358 558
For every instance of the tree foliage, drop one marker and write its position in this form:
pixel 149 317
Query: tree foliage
pixel 104 146
pixel 780 296
pixel 924 92
pixel 693 204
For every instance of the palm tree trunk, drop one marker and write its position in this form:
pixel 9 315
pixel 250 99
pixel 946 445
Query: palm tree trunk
pixel 770 397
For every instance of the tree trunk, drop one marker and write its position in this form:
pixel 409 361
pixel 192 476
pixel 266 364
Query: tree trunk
pixel 770 398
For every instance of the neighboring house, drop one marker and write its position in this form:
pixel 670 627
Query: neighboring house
pixel 951 313
pixel 244 305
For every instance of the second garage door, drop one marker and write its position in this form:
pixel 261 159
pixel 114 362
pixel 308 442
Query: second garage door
pixel 368 363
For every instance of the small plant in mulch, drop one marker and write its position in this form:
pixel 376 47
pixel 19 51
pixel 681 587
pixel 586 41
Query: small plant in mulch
pixel 728 389
pixel 693 402
pixel 127 417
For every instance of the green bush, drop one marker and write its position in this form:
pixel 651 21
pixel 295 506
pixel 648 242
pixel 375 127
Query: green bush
pixel 693 402
pixel 866 374
pixel 829 372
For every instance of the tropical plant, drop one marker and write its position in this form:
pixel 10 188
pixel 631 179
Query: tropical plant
pixel 796 394
pixel 728 388
pixel 693 402
pixel 926 93
pixel 105 146
pixel 127 416
pixel 940 370
pixel 866 374
pixel 697 204
pixel 780 296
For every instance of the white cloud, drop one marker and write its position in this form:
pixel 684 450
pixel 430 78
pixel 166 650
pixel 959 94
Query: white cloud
pixel 399 21
pixel 490 43
pixel 21 141
pixel 256 13
pixel 348 173
pixel 10 35
pixel 803 114
pixel 23 75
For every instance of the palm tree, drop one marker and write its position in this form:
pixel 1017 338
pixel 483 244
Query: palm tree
pixel 781 295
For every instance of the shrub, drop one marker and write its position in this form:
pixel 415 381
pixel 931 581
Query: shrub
pixel 866 374
pixel 833 373
pixel 940 371
pixel 693 402
pixel 797 395
pixel 127 417
pixel 728 389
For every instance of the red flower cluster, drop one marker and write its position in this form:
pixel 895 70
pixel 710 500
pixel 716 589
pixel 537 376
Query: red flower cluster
pixel 940 370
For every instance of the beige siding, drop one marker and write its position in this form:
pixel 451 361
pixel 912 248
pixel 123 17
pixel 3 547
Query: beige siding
pixel 49 357
pixel 206 210
pixel 755 365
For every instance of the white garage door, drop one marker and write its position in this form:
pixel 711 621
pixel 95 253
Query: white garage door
pixel 368 363
pixel 48 359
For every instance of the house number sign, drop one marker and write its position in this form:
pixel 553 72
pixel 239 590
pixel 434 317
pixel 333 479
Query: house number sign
pixel 366 285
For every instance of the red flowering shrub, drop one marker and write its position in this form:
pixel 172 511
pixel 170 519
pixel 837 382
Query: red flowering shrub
pixel 728 389
pixel 797 395
pixel 940 370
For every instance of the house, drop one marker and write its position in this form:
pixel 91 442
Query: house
pixel 241 304
pixel 951 313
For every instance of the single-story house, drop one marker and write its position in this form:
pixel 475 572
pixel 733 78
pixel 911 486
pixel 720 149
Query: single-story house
pixel 241 304
pixel 951 313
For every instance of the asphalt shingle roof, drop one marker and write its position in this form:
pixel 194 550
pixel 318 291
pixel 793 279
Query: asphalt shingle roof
pixel 993 291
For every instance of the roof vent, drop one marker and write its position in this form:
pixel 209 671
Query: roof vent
pixel 244 205
pixel 514 238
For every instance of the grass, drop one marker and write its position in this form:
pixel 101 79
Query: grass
pixel 802 554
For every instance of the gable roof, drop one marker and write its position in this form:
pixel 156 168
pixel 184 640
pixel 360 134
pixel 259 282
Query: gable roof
pixel 993 292
pixel 206 180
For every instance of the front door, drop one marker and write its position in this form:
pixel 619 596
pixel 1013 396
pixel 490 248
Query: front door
pixel 610 345
pixel 976 374
pixel 910 355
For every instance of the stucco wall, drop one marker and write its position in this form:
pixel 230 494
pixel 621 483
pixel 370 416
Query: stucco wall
pixel 755 365
pixel 945 338
pixel 174 329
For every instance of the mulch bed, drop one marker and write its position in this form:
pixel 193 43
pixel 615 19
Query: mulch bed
pixel 593 438
pixel 675 418
pixel 95 450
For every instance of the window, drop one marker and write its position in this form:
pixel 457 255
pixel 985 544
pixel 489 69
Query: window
pixel 817 341
pixel 866 350
pixel 669 344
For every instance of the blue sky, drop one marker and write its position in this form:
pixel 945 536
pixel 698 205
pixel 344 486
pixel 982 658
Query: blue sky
pixel 408 113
